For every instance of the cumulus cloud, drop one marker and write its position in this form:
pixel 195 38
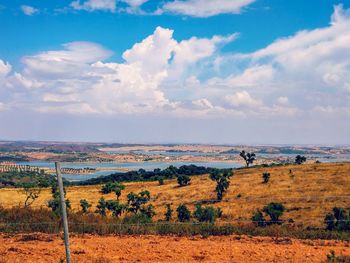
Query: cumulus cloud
pixel 29 10
pixel 308 71
pixel 205 8
pixel 93 5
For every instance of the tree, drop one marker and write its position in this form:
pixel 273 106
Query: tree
pixel 258 219
pixel 102 207
pixel 147 210
pixel 266 177
pixel 183 214
pixel 183 180
pixel 55 202
pixel 338 220
pixel 113 187
pixel 115 207
pixel 300 159
pixel 274 211
pixel 249 158
pixel 168 213
pixel 207 214
pixel 222 179
pixel 136 201
pixel 31 195
pixel 161 180
pixel 85 205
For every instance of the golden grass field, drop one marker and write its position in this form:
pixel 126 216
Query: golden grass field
pixel 308 193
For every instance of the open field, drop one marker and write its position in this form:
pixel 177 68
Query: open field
pixel 49 248
pixel 308 192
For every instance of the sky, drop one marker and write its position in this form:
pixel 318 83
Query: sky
pixel 176 71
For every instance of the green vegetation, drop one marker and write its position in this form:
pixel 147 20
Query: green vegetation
pixel 28 179
pixel 266 177
pixel 338 220
pixel 183 180
pixel 55 202
pixel 141 175
pixel 207 214
pixel 31 195
pixel 249 158
pixel 169 212
pixel 300 159
pixel 273 210
pixel 222 179
pixel 183 214
pixel 113 187
pixel 85 205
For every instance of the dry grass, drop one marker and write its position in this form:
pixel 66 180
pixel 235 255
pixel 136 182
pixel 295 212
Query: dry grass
pixel 309 180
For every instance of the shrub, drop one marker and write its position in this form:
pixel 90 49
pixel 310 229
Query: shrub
pixel 168 213
pixel 102 207
pixel 136 201
pixel 258 219
pixel 115 207
pixel 266 177
pixel 207 214
pixel 161 180
pixel 274 211
pixel 183 180
pixel 84 204
pixel 113 187
pixel 55 202
pixel 148 211
pixel 300 159
pixel 222 179
pixel 183 214
pixel 338 220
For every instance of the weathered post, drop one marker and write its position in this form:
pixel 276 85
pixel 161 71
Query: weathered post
pixel 63 210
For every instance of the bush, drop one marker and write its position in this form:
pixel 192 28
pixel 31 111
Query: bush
pixel 300 159
pixel 115 207
pixel 258 219
pixel 183 214
pixel 84 204
pixel 183 180
pixel 338 220
pixel 266 177
pixel 275 211
pixel 102 207
pixel 113 187
pixel 161 180
pixel 168 213
pixel 222 179
pixel 137 201
pixel 207 214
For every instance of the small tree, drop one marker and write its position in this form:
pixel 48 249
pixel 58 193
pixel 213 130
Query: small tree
pixel 161 180
pixel 183 214
pixel 102 207
pixel 300 159
pixel 222 179
pixel 147 211
pixel 55 202
pixel 249 158
pixel 168 213
pixel 183 180
pixel 136 201
pixel 266 177
pixel 338 220
pixel 113 187
pixel 258 219
pixel 207 214
pixel 274 211
pixel 31 195
pixel 85 205
pixel 115 207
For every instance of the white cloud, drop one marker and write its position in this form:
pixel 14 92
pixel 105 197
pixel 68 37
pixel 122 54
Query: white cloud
pixel 282 100
pixel 135 3
pixel 5 68
pixel 93 5
pixel 29 10
pixel 205 8
pixel 242 98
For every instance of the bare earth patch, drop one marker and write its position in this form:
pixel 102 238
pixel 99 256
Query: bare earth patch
pixel 89 248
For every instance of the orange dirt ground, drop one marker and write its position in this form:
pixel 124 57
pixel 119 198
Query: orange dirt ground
pixel 49 248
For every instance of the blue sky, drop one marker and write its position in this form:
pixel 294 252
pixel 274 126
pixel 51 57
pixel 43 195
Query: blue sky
pixel 264 71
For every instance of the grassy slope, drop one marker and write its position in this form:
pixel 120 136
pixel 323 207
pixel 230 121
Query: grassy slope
pixel 322 180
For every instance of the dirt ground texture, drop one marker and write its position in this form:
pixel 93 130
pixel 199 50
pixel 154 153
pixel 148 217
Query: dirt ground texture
pixel 49 248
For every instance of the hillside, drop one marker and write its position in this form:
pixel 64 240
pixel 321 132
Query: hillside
pixel 308 191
